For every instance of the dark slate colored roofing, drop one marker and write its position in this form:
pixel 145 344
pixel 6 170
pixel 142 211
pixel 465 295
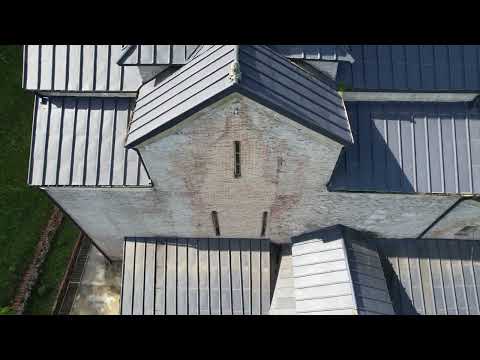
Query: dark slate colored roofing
pixel 337 272
pixel 77 68
pixel 80 142
pixel 156 54
pixel 195 276
pixel 315 52
pixel 412 68
pixel 411 147
pixel 266 77
pixel 432 276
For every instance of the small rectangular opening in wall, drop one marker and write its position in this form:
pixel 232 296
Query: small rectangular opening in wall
pixel 264 224
pixel 237 160
pixel 216 226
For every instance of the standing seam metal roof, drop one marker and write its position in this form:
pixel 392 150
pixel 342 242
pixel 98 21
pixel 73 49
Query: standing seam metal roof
pixel 432 276
pixel 414 68
pixel 80 142
pixel 315 52
pixel 411 147
pixel 266 77
pixel 156 54
pixel 77 68
pixel 170 276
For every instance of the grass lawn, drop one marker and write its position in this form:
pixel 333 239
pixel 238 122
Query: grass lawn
pixel 24 210
pixel 45 291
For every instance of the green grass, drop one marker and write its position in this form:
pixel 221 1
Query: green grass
pixel 45 291
pixel 24 210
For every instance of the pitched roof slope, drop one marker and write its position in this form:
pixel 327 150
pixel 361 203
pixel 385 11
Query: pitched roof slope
pixel 336 271
pixel 80 142
pixel 412 68
pixel 253 71
pixel 77 68
pixel 411 148
pixel 156 54
pixel 315 52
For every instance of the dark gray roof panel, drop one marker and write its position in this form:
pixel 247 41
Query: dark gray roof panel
pixel 412 68
pixel 156 54
pixel 266 77
pixel 315 52
pixel 178 276
pixel 277 83
pixel 77 68
pixel 80 142
pixel 432 276
pixel 411 147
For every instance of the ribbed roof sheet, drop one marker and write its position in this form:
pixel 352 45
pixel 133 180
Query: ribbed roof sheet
pixel 179 276
pixel 80 142
pixel 156 54
pixel 411 147
pixel 266 77
pixel 337 272
pixel 77 68
pixel 447 68
pixel 432 276
pixel 315 52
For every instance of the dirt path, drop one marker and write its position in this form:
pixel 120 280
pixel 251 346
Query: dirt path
pixel 30 276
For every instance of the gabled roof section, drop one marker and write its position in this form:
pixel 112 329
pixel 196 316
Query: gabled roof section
pixel 315 52
pixel 156 54
pixel 254 71
pixel 410 147
pixel 337 271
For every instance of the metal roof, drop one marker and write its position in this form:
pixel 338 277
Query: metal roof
pixel 170 276
pixel 411 147
pixel 156 54
pixel 432 276
pixel 337 272
pixel 412 68
pixel 80 141
pixel 254 71
pixel 315 52
pixel 77 68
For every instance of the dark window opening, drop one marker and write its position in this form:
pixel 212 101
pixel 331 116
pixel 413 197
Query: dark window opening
pixel 264 223
pixel 237 168
pixel 216 226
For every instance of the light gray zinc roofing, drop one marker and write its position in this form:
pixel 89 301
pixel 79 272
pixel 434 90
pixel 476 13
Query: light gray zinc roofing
pixel 156 54
pixel 411 147
pixel 80 142
pixel 412 68
pixel 265 76
pixel 315 52
pixel 179 276
pixel 337 272
pixel 432 276
pixel 77 68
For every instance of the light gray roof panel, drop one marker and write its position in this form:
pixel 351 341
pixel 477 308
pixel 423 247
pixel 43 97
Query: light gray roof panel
pixel 432 276
pixel 80 142
pixel 411 147
pixel 156 54
pixel 178 276
pixel 336 271
pixel 412 68
pixel 315 52
pixel 266 77
pixel 77 68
